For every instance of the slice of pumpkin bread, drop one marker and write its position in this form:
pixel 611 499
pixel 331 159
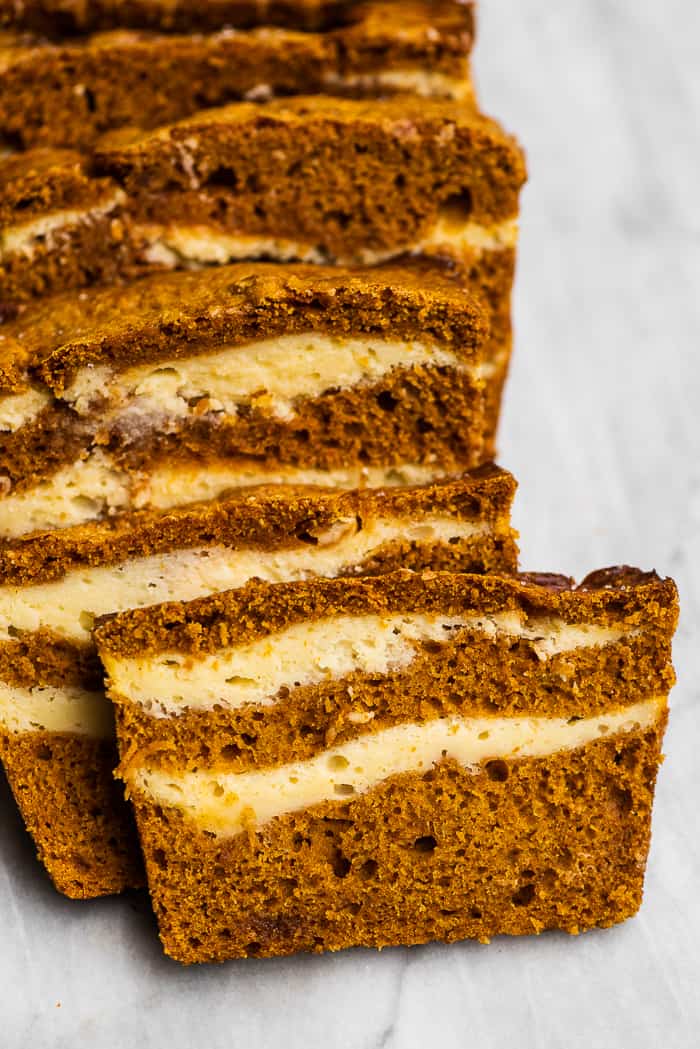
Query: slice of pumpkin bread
pixel 412 757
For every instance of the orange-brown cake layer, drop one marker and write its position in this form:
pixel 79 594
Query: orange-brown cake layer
pixel 55 17
pixel 67 92
pixel 423 140
pixel 46 180
pixel 52 585
pixel 494 707
pixel 74 810
pixel 60 226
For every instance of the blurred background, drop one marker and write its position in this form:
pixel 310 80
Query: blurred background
pixel 602 428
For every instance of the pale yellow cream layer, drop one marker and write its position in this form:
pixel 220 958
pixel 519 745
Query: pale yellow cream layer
pixel 268 375
pixel 91 488
pixel 416 81
pixel 227 803
pixel 310 652
pixel 49 708
pixel 178 243
pixel 68 606
pixel 24 238
pixel 19 409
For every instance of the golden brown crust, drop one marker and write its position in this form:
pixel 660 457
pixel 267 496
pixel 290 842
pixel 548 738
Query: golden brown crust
pixel 258 609
pixel 67 92
pixel 73 17
pixel 516 847
pixel 74 810
pixel 260 517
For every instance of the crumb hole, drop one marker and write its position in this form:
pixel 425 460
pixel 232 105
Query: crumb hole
pixel 458 206
pixel 159 858
pixel 497 771
pixel 368 870
pixel 425 844
pixel 341 865
pixel 386 401
pixel 524 895
pixel 223 176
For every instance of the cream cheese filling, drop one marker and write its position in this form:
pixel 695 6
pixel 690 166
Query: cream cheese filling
pixel 68 606
pixel 268 375
pixel 170 683
pixel 178 243
pixel 88 489
pixel 224 803
pixel 24 238
pixel 416 81
pixel 19 409
pixel 48 708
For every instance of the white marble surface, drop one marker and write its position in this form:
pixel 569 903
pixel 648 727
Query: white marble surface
pixel 601 426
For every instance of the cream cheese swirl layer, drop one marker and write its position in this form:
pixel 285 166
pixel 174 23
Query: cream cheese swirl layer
pixel 269 375
pixel 224 803
pixel 95 487
pixel 54 708
pixel 416 81
pixel 307 653
pixel 176 243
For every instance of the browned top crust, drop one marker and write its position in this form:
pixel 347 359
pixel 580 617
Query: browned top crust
pixel 263 517
pixel 181 314
pixel 43 180
pixel 64 17
pixel 258 609
pixel 413 135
